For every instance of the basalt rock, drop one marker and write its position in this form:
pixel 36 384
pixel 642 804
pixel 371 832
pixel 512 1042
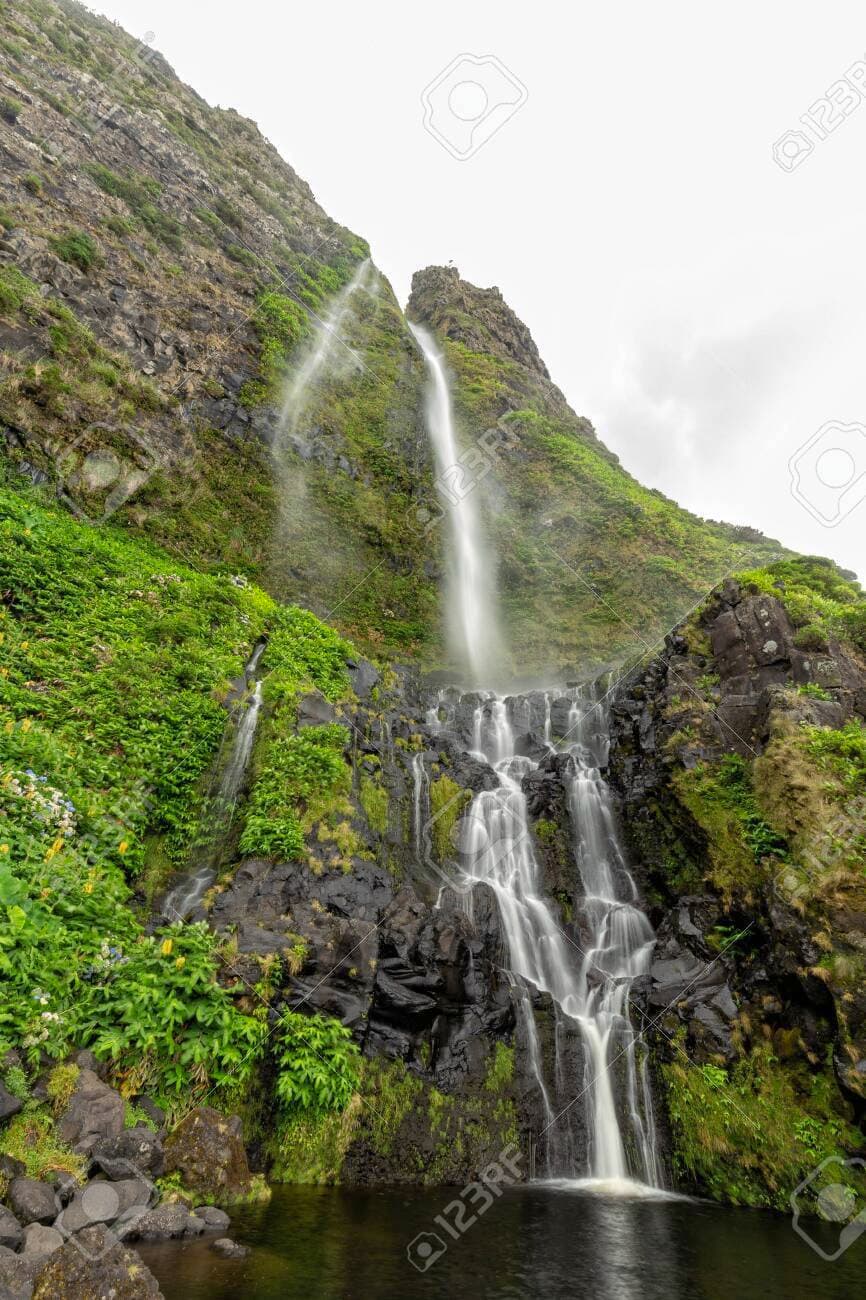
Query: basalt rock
pixel 95 1111
pixel 207 1150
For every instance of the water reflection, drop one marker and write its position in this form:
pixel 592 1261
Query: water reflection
pixel 335 1244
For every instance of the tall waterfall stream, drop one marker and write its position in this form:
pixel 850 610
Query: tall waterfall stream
pixel 588 970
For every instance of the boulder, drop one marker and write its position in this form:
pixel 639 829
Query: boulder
pixel 212 1217
pixel 39 1240
pixel 11 1168
pixel 172 1219
pixel 106 1202
pixel 207 1150
pixel 229 1249
pixel 133 1152
pixel 17 1273
pixel 32 1201
pixel 95 1111
pixel 9 1103
pixel 95 1266
pixel 11 1232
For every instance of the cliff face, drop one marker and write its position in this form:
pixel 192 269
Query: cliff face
pixel 739 755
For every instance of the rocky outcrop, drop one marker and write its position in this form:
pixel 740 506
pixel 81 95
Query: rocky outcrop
pixel 478 318
pixel 758 906
pixel 208 1152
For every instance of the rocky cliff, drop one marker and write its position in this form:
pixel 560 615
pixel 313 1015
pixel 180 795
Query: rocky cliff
pixel 741 762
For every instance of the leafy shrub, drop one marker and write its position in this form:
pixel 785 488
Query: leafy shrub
pixel 812 691
pixel 811 637
pixel 140 193
pixel 32 183
pixel 158 1010
pixel 318 1063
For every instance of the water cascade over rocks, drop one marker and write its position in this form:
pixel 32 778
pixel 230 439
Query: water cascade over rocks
pixel 219 807
pixel 596 1102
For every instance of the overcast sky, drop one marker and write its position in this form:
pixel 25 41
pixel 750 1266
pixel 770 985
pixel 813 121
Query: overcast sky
pixel 703 305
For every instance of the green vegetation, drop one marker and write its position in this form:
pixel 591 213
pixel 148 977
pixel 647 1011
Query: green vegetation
pixel 299 775
pixel 751 1134
pixel 821 601
pixel 78 248
pixel 112 663
pixel 318 1063
pixel 140 194
pixel 447 802
pixel 722 800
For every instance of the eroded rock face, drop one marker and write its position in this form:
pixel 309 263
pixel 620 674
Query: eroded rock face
pixel 208 1152
pixel 95 1266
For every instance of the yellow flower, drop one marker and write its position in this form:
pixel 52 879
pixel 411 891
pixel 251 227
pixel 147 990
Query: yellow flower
pixel 25 645
pixel 167 945
pixel 9 727
pixel 26 724
pixel 88 887
pixel 58 844
pixel 4 848
pixel 27 532
pixel 180 962
pixel 2 637
pixel 4 672
pixel 123 846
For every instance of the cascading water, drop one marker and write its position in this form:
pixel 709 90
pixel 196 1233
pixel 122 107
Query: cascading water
pixel 472 621
pixel 589 982
pixel 220 805
pixel 326 340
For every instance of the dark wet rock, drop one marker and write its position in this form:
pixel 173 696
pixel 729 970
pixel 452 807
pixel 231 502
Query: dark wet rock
pixel 32 1201
pixel 228 1248
pixel 96 1266
pixel 17 1274
pixel 95 1111
pixel 314 710
pixel 213 1217
pixel 9 1104
pixel 11 1231
pixel 135 1151
pixel 41 1240
pixel 154 1113
pixel 207 1150
pixel 167 1221
pixel 102 1201
pixel 363 676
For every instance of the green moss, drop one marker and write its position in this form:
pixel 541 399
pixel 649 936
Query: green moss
pixel 374 801
pixel 500 1072
pixel 32 1138
pixel 61 1085
pixel 78 248
pixel 447 802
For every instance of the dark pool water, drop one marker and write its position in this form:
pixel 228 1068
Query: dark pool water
pixel 319 1243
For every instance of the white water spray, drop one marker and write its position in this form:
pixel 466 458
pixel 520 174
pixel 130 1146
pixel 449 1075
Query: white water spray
pixel 472 621
pixel 327 340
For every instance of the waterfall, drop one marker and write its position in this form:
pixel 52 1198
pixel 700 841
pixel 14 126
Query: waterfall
pixel 219 807
pixel 472 625
pixel 590 977
pixel 326 340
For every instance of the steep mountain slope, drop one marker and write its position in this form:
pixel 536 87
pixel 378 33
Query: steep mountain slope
pixel 160 268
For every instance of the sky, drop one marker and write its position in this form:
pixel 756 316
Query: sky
pixel 696 292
